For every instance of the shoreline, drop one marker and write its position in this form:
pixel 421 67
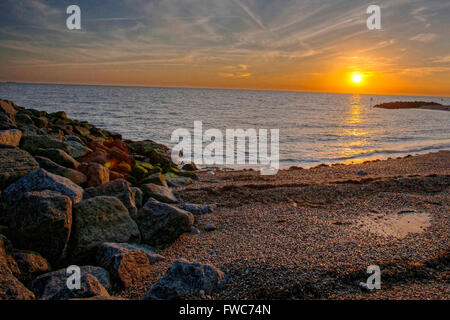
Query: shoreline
pixel 299 234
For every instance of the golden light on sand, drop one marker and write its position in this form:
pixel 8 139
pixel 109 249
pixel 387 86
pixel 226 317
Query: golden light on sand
pixel 357 78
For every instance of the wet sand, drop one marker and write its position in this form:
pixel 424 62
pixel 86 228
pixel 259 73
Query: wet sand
pixel 311 234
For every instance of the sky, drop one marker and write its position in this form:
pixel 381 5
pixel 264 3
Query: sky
pixel 313 45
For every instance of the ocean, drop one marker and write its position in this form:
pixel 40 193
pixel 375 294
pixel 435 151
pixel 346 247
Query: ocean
pixel 314 128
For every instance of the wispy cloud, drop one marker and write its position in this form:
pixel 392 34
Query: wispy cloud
pixel 424 37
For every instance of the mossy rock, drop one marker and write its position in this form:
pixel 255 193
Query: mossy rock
pixel 58 115
pixel 139 172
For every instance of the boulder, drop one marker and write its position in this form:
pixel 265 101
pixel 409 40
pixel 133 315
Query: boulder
pixel 191 167
pixel 78 150
pixel 185 279
pixel 32 143
pixel 41 221
pixel 10 137
pixel 73 175
pixel 129 264
pixel 159 193
pixel 178 182
pixel 6 122
pixel 199 209
pixel 156 178
pixel 10 287
pixel 6 107
pixel 31 264
pixel 98 220
pixel 94 281
pixel 58 156
pixel 118 188
pixel 14 164
pixel 138 196
pixel 96 173
pixel 39 180
pixel 161 223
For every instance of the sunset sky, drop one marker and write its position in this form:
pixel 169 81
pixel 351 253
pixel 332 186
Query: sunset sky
pixel 313 45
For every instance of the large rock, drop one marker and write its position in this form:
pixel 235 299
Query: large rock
pixel 159 193
pixel 58 156
pixel 10 137
pixel 78 150
pixel 129 264
pixel 161 223
pixel 32 143
pixel 96 173
pixel 39 180
pixel 6 107
pixel 31 264
pixel 14 164
pixel 185 279
pixel 10 287
pixel 94 281
pixel 199 209
pixel 6 122
pixel 41 221
pixel 118 188
pixel 75 176
pixel 98 220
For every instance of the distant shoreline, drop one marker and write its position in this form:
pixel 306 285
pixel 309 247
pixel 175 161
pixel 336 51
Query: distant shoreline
pixel 413 105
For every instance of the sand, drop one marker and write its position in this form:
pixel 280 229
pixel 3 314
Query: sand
pixel 311 234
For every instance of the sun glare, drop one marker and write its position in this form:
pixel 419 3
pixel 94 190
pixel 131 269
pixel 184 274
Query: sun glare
pixel 357 78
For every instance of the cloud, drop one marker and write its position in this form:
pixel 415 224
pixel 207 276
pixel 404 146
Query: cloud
pixel 442 59
pixel 424 37
pixel 237 71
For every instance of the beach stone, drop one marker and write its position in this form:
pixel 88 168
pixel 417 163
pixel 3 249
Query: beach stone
pixel 73 175
pixel 96 174
pixel 129 264
pixel 185 279
pixel 10 287
pixel 78 150
pixel 32 143
pixel 41 221
pixel 94 281
pixel 98 220
pixel 161 224
pixel 191 167
pixel 14 164
pixel 118 188
pixel 159 193
pixel 156 178
pixel 199 209
pixel 210 227
pixel 58 156
pixel 31 264
pixel 39 180
pixel 10 137
pixel 178 182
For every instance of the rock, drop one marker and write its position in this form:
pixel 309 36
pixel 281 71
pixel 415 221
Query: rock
pixel 10 287
pixel 115 175
pixel 73 175
pixel 40 122
pixel 94 281
pixel 130 264
pixel 209 228
pixel 58 156
pixel 78 150
pixel 6 122
pixel 194 230
pixel 32 143
pixel 161 224
pixel 10 137
pixel 156 178
pixel 41 221
pixel 117 188
pixel 7 108
pixel 96 173
pixel 178 182
pixel 199 209
pixel 191 167
pixel 159 193
pixel 22 118
pixel 98 220
pixel 14 164
pixel 155 152
pixel 138 196
pixel 58 115
pixel 39 180
pixel 30 264
pixel 362 173
pixel 185 279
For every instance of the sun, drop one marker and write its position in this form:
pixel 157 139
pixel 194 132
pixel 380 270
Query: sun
pixel 357 78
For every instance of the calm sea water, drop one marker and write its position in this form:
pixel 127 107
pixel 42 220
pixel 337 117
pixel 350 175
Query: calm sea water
pixel 314 127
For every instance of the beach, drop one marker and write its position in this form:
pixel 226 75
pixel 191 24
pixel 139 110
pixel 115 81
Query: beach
pixel 311 234
pixel 138 226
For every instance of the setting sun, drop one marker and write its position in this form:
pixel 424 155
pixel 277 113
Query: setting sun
pixel 357 78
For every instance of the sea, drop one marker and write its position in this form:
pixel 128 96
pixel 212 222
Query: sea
pixel 314 128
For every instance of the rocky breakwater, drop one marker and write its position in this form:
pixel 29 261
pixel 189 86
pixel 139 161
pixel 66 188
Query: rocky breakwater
pixel 74 194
